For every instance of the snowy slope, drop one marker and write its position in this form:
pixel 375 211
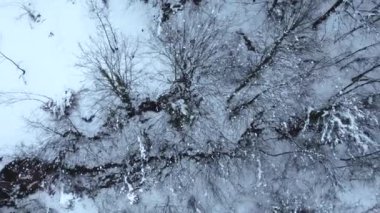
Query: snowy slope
pixel 48 51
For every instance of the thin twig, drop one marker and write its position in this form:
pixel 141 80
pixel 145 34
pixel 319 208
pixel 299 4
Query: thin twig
pixel 14 63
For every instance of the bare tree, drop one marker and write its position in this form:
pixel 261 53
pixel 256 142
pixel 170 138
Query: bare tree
pixel 293 24
pixel 192 45
pixel 109 60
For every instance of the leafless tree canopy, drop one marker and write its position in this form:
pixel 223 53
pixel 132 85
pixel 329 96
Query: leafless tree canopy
pixel 270 107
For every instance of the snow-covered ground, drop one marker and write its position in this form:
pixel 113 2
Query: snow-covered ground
pixel 48 50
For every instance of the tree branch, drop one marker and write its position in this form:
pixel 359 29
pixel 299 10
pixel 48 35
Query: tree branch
pixel 327 14
pixel 14 63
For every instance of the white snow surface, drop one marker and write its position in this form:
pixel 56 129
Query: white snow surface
pixel 49 59
pixel 48 51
